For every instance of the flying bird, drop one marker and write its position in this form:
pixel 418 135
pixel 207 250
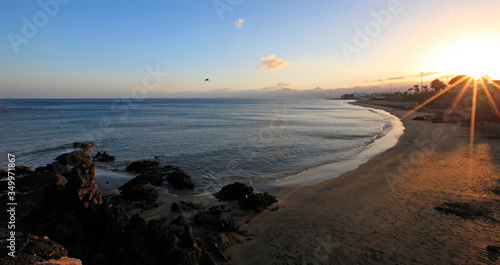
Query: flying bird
pixel 207 80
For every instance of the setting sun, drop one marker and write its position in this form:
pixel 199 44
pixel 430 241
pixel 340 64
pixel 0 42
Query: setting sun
pixel 476 57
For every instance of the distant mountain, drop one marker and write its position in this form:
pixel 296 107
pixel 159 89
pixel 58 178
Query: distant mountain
pixel 275 93
pixel 313 93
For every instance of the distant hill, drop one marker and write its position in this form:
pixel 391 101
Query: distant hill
pixel 276 93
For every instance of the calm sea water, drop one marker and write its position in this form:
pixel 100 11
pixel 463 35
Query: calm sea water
pixel 217 141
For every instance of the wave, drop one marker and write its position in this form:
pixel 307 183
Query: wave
pixel 345 136
pixel 378 135
pixel 48 149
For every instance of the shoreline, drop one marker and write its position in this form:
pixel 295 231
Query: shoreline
pixel 384 211
pixel 329 171
pixel 108 181
pixel 427 199
pixel 310 176
pixel 204 172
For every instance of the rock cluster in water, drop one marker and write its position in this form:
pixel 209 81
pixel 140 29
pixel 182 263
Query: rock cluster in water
pixel 104 157
pixel 66 206
pixel 247 198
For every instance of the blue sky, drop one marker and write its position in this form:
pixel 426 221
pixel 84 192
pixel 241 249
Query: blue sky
pixel 102 48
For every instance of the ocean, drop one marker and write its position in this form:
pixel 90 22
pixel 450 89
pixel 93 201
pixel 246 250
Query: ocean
pixel 216 141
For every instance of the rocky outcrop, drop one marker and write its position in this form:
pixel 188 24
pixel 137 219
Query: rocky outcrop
pixel 247 198
pixel 103 231
pixel 153 178
pixel 84 145
pixel 31 249
pixel 140 193
pixel 185 206
pixel 61 261
pixel 18 171
pixel 235 192
pixel 151 173
pixel 143 166
pixel 100 231
pixel 258 202
pixel 22 170
pixel 214 219
pixel 74 180
pixel 178 178
pixel 104 157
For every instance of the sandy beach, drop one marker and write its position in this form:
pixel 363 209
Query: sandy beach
pixel 384 212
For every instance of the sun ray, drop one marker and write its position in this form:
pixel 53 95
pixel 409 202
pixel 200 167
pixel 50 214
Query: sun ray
pixel 459 96
pixel 473 119
pixel 490 97
pixel 495 84
pixel 434 97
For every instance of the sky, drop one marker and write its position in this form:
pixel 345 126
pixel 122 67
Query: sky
pixel 122 48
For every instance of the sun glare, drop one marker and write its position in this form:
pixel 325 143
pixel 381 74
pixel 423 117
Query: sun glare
pixel 474 57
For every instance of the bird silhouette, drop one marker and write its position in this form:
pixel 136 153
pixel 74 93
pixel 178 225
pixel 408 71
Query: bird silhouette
pixel 207 80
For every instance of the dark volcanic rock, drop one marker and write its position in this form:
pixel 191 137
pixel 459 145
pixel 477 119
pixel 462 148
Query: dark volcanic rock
pixel 236 191
pixel 140 193
pixel 185 206
pixel 143 166
pixel 213 219
pixel 258 202
pixel 74 158
pixel 22 170
pixel 175 207
pixel 178 178
pixel 71 212
pixel 154 178
pixel 134 189
pixel 30 249
pixel 104 157
pixel 246 197
pixel 18 171
pixel 151 173
pixel 84 145
pixel 74 180
pixel 189 206
pixel 137 181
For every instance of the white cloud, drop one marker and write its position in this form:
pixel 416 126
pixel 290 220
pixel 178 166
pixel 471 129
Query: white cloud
pixel 239 23
pixel 271 62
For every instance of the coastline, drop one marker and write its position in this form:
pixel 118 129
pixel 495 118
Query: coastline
pixel 427 200
pixel 328 171
pixel 384 211
pixel 109 180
